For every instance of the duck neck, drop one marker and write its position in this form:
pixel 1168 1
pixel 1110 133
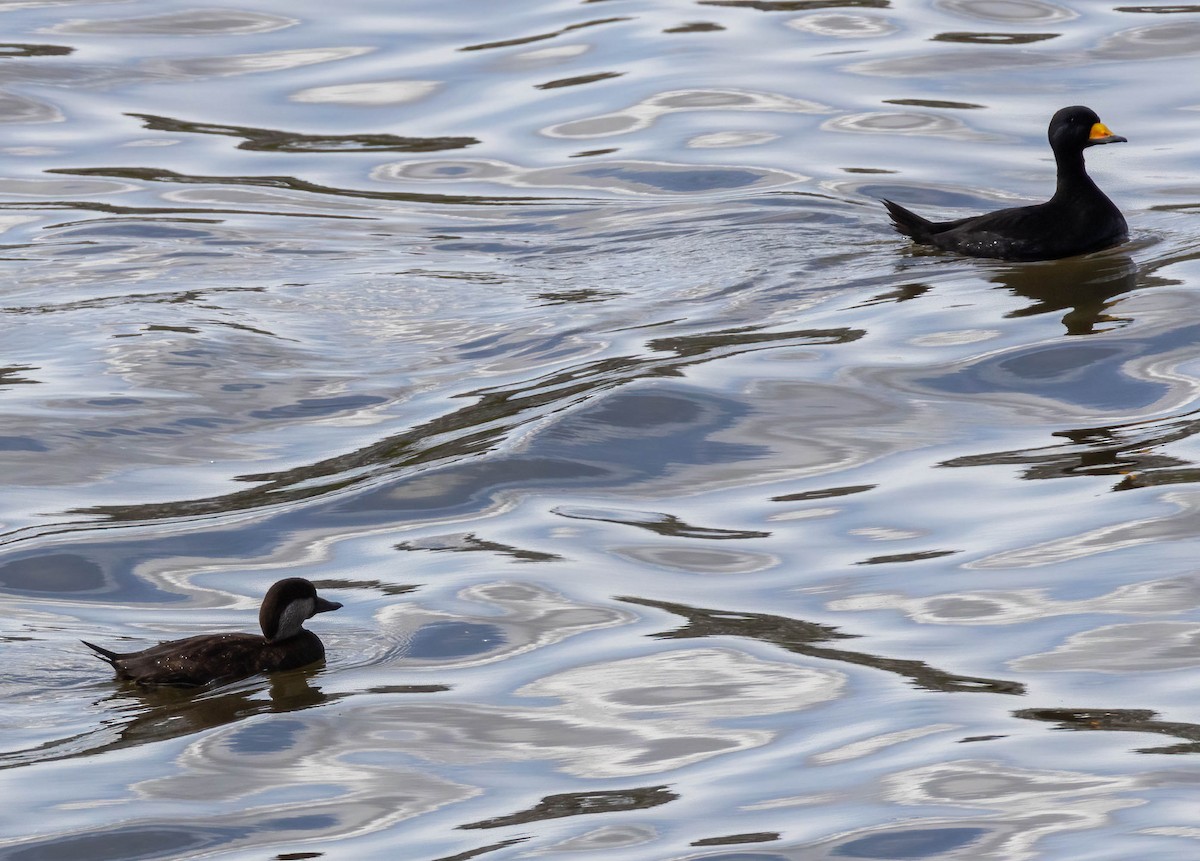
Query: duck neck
pixel 1073 179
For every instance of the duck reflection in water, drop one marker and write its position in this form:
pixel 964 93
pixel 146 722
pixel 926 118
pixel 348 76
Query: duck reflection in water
pixel 1083 286
pixel 216 658
pixel 172 712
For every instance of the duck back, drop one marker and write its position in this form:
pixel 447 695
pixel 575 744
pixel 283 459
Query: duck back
pixel 213 658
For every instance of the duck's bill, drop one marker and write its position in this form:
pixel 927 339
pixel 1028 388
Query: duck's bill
pixel 324 606
pixel 1101 134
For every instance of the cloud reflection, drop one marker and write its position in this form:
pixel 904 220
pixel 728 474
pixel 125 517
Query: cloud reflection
pixel 248 64
pixel 648 111
pixel 1014 606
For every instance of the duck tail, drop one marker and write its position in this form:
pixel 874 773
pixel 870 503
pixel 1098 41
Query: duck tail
pixel 908 223
pixel 102 653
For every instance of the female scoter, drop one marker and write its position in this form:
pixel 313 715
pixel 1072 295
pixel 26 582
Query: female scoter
pixel 284 645
pixel 1076 220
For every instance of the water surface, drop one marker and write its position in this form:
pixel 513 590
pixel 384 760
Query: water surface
pixel 679 508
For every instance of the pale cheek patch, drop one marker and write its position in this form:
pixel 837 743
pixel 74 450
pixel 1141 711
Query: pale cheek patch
pixel 293 618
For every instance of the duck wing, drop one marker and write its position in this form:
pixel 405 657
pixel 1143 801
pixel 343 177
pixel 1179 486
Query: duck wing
pixel 1043 231
pixel 1016 233
pixel 190 662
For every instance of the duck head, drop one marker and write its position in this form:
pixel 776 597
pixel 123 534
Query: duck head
pixel 287 605
pixel 1077 127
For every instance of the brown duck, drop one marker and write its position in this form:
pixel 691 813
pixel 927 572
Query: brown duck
pixel 209 658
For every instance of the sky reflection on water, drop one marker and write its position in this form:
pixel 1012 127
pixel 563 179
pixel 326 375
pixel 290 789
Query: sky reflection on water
pixel 678 507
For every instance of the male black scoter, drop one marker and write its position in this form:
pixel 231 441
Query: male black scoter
pixel 1078 219
pixel 284 645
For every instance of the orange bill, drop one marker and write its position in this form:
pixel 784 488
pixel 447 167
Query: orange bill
pixel 1100 133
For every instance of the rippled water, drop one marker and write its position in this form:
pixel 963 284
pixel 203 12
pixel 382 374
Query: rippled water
pixel 679 508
